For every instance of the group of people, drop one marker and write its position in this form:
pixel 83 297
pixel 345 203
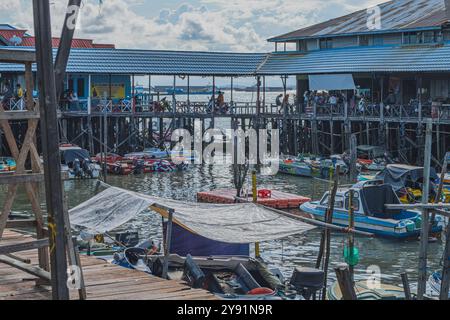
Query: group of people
pixel 11 97
pixel 323 98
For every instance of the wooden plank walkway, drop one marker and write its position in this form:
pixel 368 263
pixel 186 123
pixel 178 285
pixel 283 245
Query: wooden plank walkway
pixel 104 281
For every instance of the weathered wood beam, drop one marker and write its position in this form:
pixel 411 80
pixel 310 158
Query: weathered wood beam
pixel 26 223
pixel 11 248
pixel 21 178
pixel 19 115
pixel 345 283
pixel 33 270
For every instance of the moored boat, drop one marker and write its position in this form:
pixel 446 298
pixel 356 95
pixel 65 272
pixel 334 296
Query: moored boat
pixel 370 213
pixel 7 164
pixel 434 284
pixel 77 164
pixel 366 292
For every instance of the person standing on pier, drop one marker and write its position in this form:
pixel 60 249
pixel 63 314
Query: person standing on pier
pixel 7 96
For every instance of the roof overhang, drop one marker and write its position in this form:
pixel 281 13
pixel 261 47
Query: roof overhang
pixel 8 55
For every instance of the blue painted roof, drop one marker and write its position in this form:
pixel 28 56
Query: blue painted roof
pixel 419 58
pixel 119 61
pixel 360 59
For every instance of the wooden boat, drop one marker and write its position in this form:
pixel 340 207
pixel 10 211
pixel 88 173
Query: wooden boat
pixel 363 292
pixel 370 213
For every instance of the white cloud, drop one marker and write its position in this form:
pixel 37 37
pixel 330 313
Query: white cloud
pixel 218 25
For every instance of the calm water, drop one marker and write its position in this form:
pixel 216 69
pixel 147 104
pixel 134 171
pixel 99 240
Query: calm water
pixel 393 257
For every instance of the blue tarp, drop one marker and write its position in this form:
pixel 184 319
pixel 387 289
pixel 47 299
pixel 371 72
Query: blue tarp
pixel 184 242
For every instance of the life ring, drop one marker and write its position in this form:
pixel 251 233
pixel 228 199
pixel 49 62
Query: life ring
pixel 260 291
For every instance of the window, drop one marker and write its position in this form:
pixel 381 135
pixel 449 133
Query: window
pixel 339 202
pixel 415 37
pixel 326 43
pixel 429 37
pixel 324 201
pixel 71 84
pixel 355 202
pixel 364 41
pixel 80 88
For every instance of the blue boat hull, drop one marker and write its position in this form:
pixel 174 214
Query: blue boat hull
pixel 296 170
pixel 380 227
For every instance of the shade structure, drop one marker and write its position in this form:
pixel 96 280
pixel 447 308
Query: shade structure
pixel 331 82
pixel 229 223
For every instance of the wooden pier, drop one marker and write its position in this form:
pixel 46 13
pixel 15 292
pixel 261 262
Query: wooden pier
pixel 103 281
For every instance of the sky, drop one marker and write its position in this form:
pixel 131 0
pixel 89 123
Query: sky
pixel 207 25
pixel 201 25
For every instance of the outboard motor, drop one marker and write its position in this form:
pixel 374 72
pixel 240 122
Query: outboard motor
pixel 77 170
pixel 87 169
pixel 307 281
pixel 138 166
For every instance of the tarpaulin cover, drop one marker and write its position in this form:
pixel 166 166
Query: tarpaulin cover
pixel 185 242
pixel 71 154
pixel 229 223
pixel 331 82
pixel 399 175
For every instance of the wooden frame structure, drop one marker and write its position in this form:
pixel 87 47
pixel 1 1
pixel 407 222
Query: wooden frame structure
pixel 28 177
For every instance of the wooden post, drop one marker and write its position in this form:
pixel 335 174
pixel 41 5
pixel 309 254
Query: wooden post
pixel 50 147
pixel 89 100
pixel 345 283
pixel 445 281
pixel 255 200
pixel 353 157
pixel 406 287
pixel 168 244
pixel 325 241
pixel 422 280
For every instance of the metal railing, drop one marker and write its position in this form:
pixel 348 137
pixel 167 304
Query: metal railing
pixel 327 111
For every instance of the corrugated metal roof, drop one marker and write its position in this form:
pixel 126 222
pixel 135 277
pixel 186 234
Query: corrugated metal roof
pixel 360 59
pixel 118 61
pixel 395 15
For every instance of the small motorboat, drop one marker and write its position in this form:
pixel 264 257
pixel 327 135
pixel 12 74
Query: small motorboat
pixel 295 167
pixel 77 163
pixel 370 213
pixel 229 277
pixel 7 164
pixel 364 292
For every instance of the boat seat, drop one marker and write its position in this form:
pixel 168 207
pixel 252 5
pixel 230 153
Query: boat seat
pixel 246 277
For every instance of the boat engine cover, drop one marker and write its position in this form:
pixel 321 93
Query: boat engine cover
pixel 309 278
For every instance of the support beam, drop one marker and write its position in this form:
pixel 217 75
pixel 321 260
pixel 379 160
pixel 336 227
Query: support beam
pixel 62 57
pixel 422 280
pixel 35 271
pixel 50 147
